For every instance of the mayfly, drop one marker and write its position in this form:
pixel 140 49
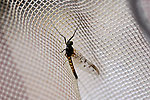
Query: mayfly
pixel 71 52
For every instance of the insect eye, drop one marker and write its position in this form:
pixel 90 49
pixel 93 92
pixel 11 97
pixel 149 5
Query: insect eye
pixel 71 43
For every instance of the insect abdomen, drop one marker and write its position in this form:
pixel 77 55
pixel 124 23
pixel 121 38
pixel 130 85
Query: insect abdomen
pixel 72 67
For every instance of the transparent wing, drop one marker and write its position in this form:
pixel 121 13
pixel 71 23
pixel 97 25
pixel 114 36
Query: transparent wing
pixel 84 64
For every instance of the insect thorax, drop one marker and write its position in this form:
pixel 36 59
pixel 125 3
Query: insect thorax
pixel 69 51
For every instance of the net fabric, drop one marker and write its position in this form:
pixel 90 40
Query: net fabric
pixel 140 9
pixel 32 65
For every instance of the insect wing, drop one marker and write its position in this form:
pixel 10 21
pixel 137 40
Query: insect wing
pixel 84 64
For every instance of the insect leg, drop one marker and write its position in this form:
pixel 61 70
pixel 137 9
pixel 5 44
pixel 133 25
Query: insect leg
pixel 62 51
pixel 64 62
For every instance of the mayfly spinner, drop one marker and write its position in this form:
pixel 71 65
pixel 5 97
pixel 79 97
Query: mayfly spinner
pixel 70 52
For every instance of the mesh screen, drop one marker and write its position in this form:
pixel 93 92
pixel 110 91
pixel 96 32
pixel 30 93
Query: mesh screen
pixel 141 10
pixel 32 67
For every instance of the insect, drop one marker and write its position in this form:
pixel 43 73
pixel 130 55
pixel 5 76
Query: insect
pixel 79 58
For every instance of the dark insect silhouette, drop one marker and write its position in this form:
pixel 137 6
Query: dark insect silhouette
pixel 69 51
pixel 85 64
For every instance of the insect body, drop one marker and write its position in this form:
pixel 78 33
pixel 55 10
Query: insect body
pixel 78 57
pixel 69 52
pixel 72 67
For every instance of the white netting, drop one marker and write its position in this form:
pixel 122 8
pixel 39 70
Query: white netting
pixel 31 65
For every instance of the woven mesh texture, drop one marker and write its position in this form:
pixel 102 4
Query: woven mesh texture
pixel 32 67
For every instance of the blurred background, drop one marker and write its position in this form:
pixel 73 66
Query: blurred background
pixel 112 34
